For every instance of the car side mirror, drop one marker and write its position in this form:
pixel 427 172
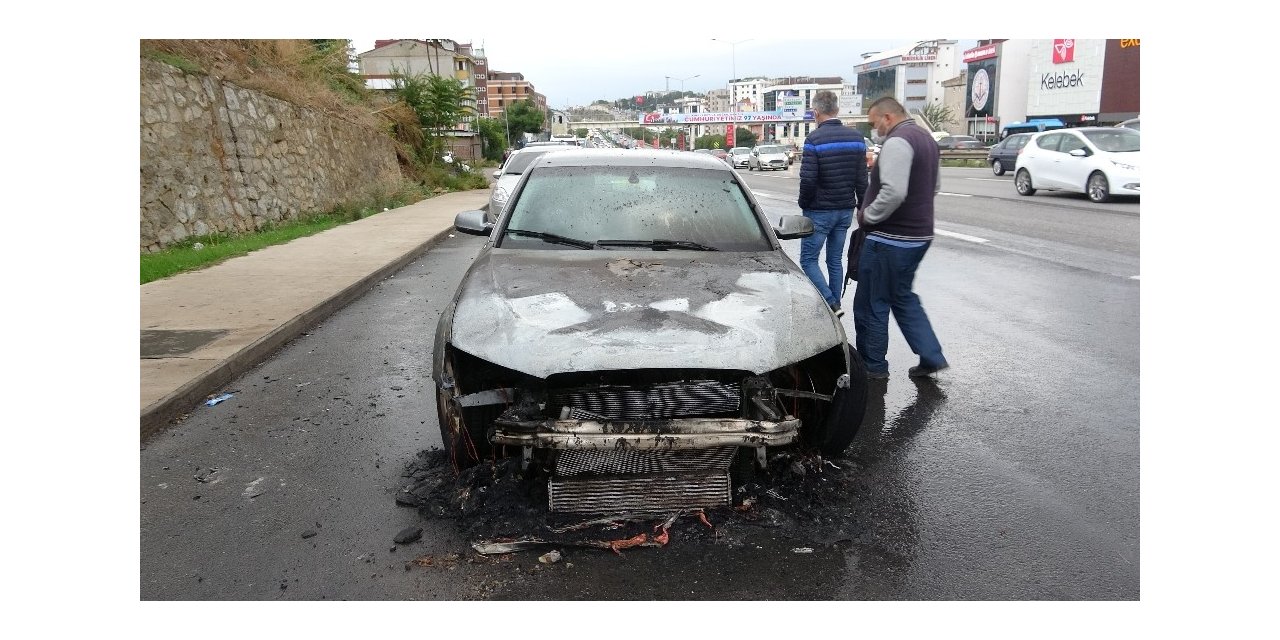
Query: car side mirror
pixel 793 227
pixel 497 174
pixel 472 223
pixel 1078 153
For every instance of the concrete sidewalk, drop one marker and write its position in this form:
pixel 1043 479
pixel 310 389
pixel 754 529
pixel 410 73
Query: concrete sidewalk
pixel 203 329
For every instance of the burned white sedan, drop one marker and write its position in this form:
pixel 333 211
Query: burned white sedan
pixel 634 326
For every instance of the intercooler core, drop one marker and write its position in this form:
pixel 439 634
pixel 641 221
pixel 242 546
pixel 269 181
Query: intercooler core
pixel 632 480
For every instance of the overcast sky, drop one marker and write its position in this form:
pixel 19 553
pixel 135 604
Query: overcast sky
pixel 588 67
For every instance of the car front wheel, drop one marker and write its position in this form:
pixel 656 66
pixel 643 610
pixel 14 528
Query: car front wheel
pixel 997 167
pixel 840 425
pixel 464 441
pixel 1023 183
pixel 1098 188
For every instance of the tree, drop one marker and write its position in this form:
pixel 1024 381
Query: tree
pixel 743 137
pixel 439 102
pixel 581 133
pixel 937 115
pixel 523 117
pixel 494 133
pixel 713 141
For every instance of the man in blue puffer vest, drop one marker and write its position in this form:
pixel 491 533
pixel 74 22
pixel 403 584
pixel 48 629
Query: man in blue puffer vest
pixel 833 177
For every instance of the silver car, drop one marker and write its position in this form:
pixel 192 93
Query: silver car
pixel 740 156
pixel 634 330
pixel 767 156
pixel 510 173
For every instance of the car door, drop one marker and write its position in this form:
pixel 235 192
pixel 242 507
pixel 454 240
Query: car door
pixel 1073 171
pixel 1043 162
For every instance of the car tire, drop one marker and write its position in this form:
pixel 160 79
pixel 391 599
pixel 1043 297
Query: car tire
pixel 1022 182
pixel 464 444
pixel 848 408
pixel 997 167
pixel 1097 188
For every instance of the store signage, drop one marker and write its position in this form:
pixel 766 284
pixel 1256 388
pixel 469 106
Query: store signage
pixel 1062 80
pixel 1087 118
pixel 1125 44
pixel 1064 51
pixel 979 53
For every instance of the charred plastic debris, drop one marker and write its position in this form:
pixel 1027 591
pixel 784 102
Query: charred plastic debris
pixel 504 508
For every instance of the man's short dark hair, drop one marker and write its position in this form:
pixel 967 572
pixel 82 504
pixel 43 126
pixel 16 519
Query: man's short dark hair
pixel 888 105
pixel 825 102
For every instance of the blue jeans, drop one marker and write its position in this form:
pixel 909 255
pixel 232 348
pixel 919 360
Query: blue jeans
pixel 885 276
pixel 832 229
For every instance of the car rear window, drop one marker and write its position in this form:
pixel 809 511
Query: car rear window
pixel 705 206
pixel 521 161
pixel 1115 140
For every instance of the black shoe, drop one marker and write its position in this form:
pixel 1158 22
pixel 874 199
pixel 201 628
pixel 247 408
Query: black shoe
pixel 838 311
pixel 921 371
pixel 878 375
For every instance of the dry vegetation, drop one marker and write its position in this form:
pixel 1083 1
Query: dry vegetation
pixel 308 73
pixel 297 71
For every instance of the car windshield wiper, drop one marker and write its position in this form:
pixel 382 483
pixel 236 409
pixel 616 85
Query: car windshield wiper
pixel 553 238
pixel 657 244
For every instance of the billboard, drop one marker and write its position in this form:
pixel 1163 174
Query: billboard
pixel 777 115
pixel 1064 76
pixel 980 94
pixel 873 85
pixel 1121 80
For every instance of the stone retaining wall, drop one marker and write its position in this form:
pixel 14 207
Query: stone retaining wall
pixel 216 157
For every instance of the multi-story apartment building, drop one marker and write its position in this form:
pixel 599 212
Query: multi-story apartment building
pixel 437 57
pixel 506 88
pixel 745 93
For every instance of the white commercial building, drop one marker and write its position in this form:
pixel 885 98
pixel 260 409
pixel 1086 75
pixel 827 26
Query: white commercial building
pixel 913 75
pixel 794 96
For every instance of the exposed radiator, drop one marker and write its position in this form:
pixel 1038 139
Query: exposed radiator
pixel 592 481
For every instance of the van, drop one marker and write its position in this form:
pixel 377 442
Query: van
pixel 1035 125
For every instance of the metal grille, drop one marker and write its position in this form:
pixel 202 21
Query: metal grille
pixel 638 494
pixel 662 400
pixel 573 462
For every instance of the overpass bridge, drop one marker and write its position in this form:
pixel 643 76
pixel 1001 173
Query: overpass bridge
pixel 616 125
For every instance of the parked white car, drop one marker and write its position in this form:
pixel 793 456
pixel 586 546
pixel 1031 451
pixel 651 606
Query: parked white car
pixel 1099 162
pixel 510 173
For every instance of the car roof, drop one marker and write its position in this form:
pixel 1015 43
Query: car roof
pixel 631 158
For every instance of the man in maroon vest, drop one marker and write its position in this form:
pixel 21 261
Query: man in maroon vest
pixel 897 216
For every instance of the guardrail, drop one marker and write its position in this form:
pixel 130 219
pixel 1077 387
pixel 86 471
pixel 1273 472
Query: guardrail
pixel 964 154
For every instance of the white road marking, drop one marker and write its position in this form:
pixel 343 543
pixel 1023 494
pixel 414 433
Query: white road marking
pixel 959 236
pixel 958 195
pixel 990 179
pixel 1135 278
pixel 772 196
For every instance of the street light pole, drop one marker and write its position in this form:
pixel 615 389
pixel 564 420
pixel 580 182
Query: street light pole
pixel 733 53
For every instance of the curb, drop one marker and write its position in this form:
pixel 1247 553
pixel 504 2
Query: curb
pixel 160 414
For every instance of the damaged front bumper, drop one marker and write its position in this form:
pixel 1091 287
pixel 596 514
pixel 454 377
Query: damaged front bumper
pixel 676 433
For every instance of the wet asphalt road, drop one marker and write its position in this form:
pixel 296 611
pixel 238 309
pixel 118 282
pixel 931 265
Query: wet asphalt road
pixel 1014 476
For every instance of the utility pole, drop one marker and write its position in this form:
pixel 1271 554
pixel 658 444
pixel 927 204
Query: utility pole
pixel 733 53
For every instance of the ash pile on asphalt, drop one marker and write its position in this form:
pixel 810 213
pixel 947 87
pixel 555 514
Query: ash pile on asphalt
pixel 496 500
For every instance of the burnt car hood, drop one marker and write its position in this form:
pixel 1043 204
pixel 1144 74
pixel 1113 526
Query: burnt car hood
pixel 547 312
